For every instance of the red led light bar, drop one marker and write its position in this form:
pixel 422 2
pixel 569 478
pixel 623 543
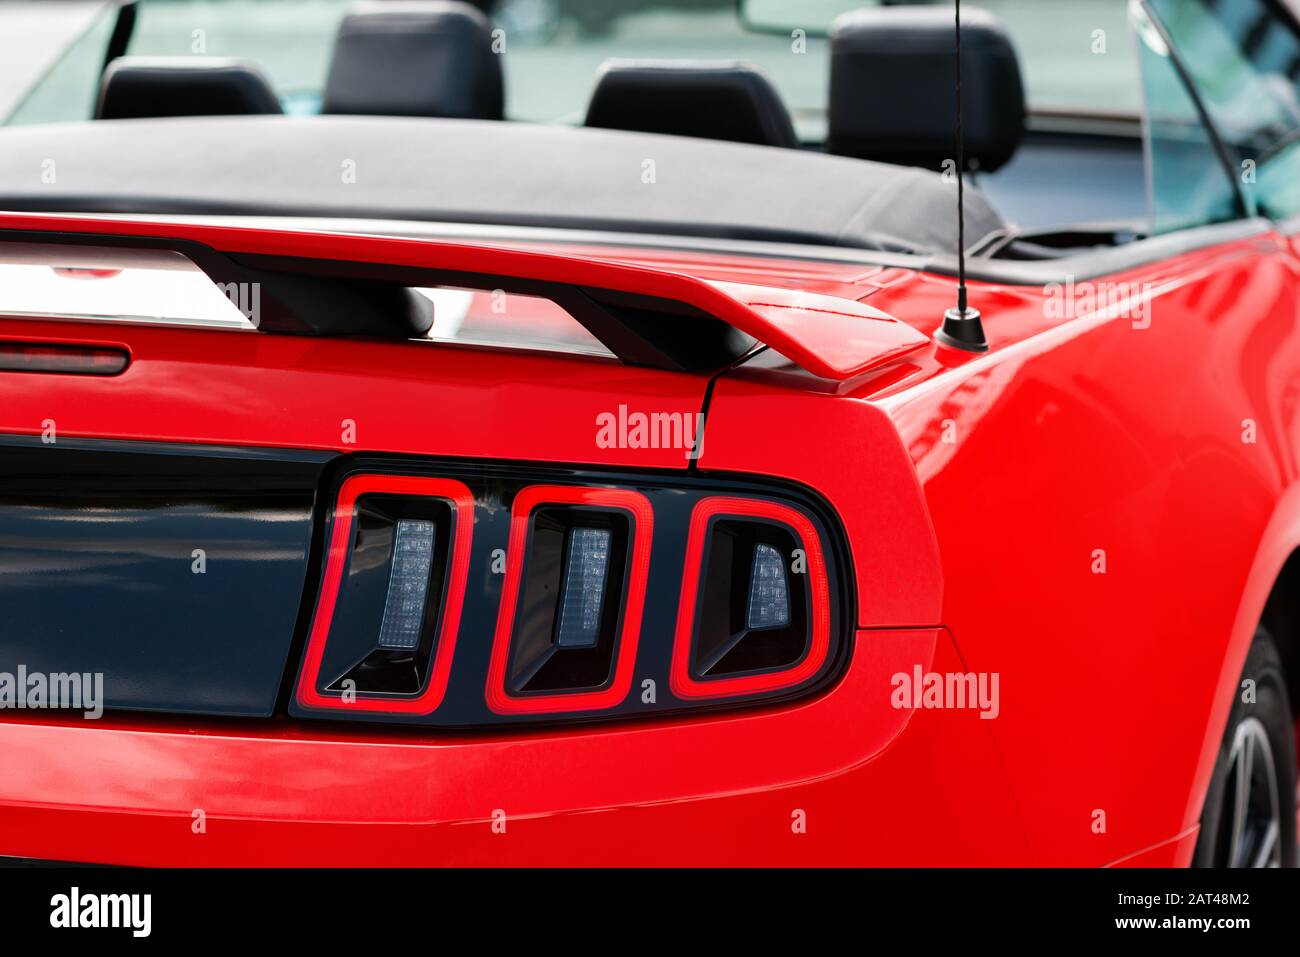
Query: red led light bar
pixel 526 502
pixel 684 685
pixel 61 357
pixel 461 501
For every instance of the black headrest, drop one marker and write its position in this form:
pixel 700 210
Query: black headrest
pixel 711 100
pixel 893 76
pixel 137 86
pixel 415 58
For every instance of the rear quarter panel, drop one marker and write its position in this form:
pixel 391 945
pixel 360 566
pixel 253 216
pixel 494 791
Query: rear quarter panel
pixel 1163 446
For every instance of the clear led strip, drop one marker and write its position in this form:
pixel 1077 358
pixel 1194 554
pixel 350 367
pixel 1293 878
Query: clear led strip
pixel 408 584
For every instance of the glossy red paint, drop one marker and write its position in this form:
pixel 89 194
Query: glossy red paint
pixel 849 338
pixel 1115 433
pixel 721 787
pixel 685 685
pixel 760 424
pixel 1122 435
pixel 975 493
pixel 242 388
pixel 637 508
pixel 461 501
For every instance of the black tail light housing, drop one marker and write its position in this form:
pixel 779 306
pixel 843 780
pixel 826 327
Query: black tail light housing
pixel 470 595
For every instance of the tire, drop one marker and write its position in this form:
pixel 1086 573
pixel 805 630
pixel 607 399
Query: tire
pixel 1249 819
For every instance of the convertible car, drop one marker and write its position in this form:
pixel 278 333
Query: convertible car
pixel 471 457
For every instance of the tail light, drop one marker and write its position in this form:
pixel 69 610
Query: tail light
pixel 398 558
pixel 570 619
pixel 754 614
pixel 583 596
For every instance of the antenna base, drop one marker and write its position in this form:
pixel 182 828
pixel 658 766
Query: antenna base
pixel 962 329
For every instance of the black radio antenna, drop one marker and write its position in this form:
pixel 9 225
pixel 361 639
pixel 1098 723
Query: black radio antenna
pixel 962 328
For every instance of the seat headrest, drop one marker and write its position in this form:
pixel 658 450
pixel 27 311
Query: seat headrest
pixel 893 77
pixel 137 86
pixel 712 100
pixel 415 58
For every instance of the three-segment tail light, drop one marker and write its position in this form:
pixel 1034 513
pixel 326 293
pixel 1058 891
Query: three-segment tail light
pixel 467 601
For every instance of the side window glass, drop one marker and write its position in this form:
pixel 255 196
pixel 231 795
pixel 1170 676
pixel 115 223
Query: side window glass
pixel 1187 184
pixel 1244 60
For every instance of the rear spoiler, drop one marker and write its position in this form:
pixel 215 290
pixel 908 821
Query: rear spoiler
pixel 336 284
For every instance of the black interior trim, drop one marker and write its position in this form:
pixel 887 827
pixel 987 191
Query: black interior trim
pixel 892 78
pixel 120 39
pixel 1102 262
pixel 135 87
pixel 713 99
pixel 429 58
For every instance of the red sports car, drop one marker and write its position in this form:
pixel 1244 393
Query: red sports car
pixel 564 444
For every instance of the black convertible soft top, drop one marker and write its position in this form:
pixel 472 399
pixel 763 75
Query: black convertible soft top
pixel 469 171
